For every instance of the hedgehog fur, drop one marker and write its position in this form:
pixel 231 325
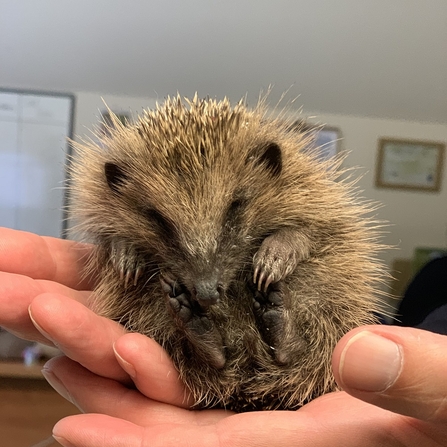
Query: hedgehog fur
pixel 221 235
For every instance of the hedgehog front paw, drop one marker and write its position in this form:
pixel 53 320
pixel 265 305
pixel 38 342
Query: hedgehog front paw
pixel 273 262
pixel 126 263
pixel 195 322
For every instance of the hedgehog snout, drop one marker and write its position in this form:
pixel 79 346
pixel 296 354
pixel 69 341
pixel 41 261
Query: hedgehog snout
pixel 207 291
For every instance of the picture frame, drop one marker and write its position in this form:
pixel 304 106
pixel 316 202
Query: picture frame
pixel 409 164
pixel 327 142
pixel 107 120
pixel 325 139
pixel 35 129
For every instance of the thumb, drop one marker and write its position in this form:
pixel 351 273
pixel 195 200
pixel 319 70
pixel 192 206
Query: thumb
pixel 398 369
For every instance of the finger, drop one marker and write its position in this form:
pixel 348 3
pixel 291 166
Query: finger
pixel 94 394
pixel 47 258
pixel 399 369
pixel 93 430
pixel 151 370
pixel 97 430
pixel 81 334
pixel 17 292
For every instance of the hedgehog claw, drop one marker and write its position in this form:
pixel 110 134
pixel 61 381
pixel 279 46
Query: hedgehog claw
pixel 268 281
pixel 127 278
pixel 275 259
pixel 255 275
pixel 126 263
pixel 261 279
pixel 138 272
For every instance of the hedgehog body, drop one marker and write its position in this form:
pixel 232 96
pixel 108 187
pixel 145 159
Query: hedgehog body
pixel 221 235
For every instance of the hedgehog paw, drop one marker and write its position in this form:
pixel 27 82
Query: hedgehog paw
pixel 270 313
pixel 195 322
pixel 273 262
pixel 126 263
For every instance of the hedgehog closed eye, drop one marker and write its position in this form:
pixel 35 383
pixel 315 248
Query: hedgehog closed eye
pixel 235 209
pixel 163 224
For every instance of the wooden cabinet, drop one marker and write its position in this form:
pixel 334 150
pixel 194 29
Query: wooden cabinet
pixel 29 407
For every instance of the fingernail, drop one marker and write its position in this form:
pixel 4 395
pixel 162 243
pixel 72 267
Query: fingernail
pixel 128 367
pixel 37 326
pixel 57 385
pixel 370 362
pixel 62 441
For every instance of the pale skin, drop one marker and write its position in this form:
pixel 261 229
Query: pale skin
pixel 41 277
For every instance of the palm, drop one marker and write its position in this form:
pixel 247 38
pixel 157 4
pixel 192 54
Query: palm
pixel 336 419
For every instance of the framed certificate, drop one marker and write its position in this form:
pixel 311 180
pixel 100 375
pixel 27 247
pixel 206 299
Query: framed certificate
pixel 409 164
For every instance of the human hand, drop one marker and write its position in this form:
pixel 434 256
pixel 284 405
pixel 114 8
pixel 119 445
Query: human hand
pixel 157 414
pixel 43 297
pixel 43 274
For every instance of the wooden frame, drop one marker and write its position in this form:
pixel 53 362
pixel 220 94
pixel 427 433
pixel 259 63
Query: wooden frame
pixel 409 164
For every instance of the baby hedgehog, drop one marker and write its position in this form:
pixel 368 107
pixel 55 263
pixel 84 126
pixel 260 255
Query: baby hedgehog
pixel 221 235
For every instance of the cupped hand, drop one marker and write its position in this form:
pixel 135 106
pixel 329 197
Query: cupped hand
pixel 157 412
pixel 43 297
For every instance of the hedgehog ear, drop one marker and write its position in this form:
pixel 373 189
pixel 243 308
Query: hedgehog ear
pixel 270 156
pixel 115 176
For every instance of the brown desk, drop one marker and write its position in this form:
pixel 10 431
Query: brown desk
pixel 29 407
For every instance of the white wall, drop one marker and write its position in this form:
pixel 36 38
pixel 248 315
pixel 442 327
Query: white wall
pixel 90 105
pixel 417 218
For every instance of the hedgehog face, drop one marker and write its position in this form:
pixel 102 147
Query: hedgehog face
pixel 201 222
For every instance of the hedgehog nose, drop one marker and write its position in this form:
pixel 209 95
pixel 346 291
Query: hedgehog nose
pixel 207 292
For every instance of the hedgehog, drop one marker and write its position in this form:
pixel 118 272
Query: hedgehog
pixel 219 233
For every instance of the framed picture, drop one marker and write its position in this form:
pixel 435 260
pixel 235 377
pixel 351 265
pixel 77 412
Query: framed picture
pixel 327 142
pixel 107 123
pixel 409 164
pixel 34 152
